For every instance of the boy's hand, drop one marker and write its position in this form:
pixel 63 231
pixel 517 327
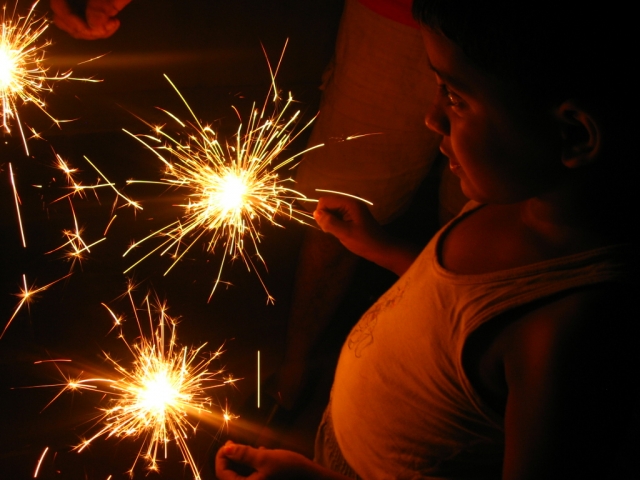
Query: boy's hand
pixel 350 221
pixel 100 18
pixel 266 464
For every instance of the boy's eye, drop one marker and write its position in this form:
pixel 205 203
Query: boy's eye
pixel 451 98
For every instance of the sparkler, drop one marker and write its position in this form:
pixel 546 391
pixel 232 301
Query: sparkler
pixel 154 397
pixel 229 186
pixel 23 73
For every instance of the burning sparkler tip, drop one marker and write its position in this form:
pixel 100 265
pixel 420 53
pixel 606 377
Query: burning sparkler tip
pixel 154 397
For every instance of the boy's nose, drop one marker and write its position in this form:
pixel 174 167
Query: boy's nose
pixel 436 120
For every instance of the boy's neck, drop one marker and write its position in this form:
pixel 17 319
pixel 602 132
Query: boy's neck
pixel 577 214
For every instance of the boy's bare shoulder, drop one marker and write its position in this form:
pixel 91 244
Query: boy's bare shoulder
pixel 488 239
pixel 500 237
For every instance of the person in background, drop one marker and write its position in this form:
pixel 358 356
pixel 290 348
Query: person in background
pixel 378 86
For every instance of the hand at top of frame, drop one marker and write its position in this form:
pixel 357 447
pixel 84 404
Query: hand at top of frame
pixel 99 17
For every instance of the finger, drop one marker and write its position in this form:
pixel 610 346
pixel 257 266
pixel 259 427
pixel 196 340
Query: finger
pixel 337 202
pixel 100 15
pixel 240 453
pixel 329 223
pixel 78 28
pixel 224 465
pixel 348 209
pixel 101 26
pixel 100 18
pixel 241 458
pixel 104 9
pixel 109 8
pixel 68 21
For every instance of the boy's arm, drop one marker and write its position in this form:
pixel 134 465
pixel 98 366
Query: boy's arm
pixel 266 463
pixel 571 381
pixel 351 222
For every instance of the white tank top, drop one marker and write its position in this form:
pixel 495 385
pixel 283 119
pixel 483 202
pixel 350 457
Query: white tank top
pixel 402 405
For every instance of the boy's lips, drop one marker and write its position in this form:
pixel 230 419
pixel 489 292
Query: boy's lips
pixel 453 164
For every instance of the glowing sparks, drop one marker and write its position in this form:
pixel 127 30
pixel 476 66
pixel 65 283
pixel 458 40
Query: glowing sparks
pixel 119 194
pixel 27 295
pixel 77 188
pixel 75 246
pixel 156 395
pixel 23 73
pixel 35 473
pixel 16 199
pixel 230 187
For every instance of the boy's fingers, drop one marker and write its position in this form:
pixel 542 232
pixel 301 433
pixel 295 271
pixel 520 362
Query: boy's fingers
pixel 329 223
pixel 239 453
pixel 109 8
pixel 336 202
pixel 71 27
pixel 101 14
pixel 242 454
pixel 225 462
pixel 102 27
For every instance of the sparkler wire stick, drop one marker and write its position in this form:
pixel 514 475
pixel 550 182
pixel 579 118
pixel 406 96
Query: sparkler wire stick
pixel 345 195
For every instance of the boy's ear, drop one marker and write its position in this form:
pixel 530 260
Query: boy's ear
pixel 581 135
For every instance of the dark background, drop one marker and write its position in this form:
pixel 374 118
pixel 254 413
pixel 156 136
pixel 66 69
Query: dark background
pixel 211 49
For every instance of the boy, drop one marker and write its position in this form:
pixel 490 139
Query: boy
pixel 505 350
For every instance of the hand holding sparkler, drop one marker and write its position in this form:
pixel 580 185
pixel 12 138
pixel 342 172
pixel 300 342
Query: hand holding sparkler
pixel 267 463
pixel 351 222
pixel 89 19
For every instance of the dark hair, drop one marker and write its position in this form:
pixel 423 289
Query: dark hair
pixel 555 49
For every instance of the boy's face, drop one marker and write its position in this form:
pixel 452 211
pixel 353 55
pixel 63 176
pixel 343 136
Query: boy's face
pixel 503 149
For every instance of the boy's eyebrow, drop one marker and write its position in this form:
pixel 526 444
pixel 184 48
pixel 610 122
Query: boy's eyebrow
pixel 457 85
